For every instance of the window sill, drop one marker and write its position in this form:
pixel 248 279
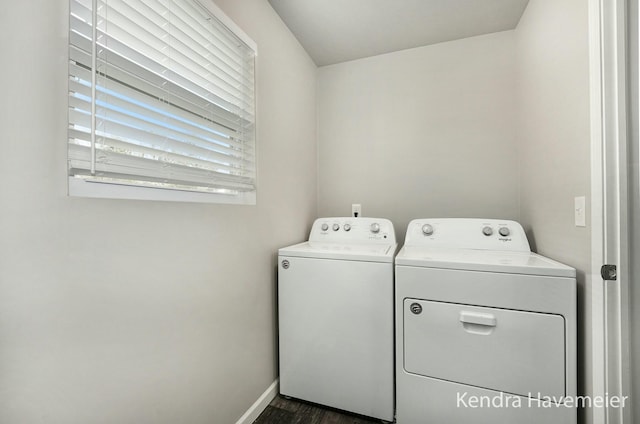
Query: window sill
pixel 81 188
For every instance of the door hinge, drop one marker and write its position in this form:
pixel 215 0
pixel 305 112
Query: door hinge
pixel 609 272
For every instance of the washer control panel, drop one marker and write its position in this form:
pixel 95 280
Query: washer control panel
pixel 467 233
pixel 352 230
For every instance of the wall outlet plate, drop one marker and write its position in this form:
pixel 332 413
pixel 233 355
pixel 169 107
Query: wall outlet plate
pixel 356 210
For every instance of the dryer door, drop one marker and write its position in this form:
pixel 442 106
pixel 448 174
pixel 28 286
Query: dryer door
pixel 511 351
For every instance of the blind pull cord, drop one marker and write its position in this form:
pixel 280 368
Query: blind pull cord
pixel 94 81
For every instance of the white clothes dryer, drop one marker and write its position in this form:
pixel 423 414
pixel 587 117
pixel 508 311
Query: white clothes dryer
pixel 485 329
pixel 335 307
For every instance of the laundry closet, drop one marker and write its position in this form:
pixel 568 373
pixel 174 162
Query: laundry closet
pixel 143 311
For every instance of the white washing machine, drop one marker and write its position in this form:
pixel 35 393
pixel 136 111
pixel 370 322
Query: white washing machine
pixel 335 306
pixel 485 329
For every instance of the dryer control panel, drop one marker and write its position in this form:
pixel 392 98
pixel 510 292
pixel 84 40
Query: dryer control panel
pixel 352 230
pixel 467 233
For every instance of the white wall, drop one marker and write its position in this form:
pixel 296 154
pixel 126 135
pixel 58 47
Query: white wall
pixel 425 132
pixel 554 142
pixel 130 311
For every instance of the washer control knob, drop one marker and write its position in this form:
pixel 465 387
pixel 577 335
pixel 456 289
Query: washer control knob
pixel 324 227
pixel 375 228
pixel 347 227
pixel 336 227
pixel 427 229
pixel 487 231
pixel 504 231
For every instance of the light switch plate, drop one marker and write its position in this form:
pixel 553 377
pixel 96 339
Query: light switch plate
pixel 580 212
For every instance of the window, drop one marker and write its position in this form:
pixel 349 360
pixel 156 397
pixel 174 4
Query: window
pixel 161 102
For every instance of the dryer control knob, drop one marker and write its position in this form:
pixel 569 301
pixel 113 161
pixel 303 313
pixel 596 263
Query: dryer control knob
pixel 487 231
pixel 504 231
pixel 336 227
pixel 347 227
pixel 324 227
pixel 375 228
pixel 427 229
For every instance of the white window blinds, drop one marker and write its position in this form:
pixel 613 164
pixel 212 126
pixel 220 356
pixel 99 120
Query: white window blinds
pixel 161 95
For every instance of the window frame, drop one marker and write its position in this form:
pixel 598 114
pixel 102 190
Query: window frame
pixel 81 187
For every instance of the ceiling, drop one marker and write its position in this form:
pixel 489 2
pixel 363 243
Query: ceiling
pixel 334 31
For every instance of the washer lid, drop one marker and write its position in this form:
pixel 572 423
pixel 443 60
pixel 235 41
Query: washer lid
pixel 483 260
pixel 342 251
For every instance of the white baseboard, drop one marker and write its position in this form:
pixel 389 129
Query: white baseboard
pixel 260 405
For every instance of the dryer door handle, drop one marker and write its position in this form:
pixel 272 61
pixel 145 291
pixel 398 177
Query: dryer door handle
pixel 487 320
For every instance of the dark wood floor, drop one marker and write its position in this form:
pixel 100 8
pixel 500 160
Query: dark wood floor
pixel 291 411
